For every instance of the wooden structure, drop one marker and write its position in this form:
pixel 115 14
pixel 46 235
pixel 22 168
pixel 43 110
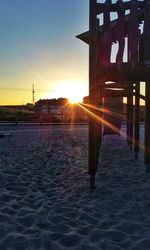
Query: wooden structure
pixel 131 27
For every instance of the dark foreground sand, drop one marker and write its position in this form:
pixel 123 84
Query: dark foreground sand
pixel 45 201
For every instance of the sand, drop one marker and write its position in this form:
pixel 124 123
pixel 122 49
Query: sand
pixel 45 200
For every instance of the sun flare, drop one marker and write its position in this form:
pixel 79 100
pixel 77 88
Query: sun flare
pixel 74 99
pixel 74 91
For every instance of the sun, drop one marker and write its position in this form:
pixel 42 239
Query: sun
pixel 74 91
pixel 74 99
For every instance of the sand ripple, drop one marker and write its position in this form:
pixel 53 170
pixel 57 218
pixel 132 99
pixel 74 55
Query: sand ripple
pixel 46 202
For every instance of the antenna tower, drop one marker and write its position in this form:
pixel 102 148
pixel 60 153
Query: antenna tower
pixel 33 94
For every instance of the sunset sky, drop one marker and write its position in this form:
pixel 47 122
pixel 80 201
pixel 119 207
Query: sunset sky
pixel 38 45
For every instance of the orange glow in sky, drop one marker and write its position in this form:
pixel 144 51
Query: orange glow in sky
pixel 39 45
pixel 71 89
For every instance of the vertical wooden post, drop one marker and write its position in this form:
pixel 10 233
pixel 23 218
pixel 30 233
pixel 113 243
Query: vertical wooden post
pixel 137 120
pixel 146 42
pixel 130 120
pixel 133 39
pixel 98 125
pixel 147 127
pixel 128 124
pixel 92 89
pixel 100 105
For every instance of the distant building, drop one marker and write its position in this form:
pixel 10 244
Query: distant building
pixel 51 109
pixel 58 110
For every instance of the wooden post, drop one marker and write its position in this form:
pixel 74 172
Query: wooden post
pixel 98 101
pixel 146 42
pixel 147 127
pixel 92 89
pixel 133 39
pixel 100 105
pixel 137 120
pixel 130 120
pixel 128 124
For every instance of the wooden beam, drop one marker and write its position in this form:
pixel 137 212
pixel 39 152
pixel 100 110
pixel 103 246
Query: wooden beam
pixel 113 93
pixel 118 85
pixel 123 76
pixel 142 97
pixel 125 73
pixel 102 7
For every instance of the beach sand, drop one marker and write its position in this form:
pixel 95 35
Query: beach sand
pixel 46 202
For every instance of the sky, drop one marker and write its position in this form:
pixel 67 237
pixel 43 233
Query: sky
pixel 38 45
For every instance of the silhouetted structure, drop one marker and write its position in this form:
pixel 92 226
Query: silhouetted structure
pixel 51 109
pixel 33 94
pixel 59 110
pixel 119 79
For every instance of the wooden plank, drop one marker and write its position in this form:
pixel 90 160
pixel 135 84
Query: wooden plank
pixel 125 73
pixel 118 76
